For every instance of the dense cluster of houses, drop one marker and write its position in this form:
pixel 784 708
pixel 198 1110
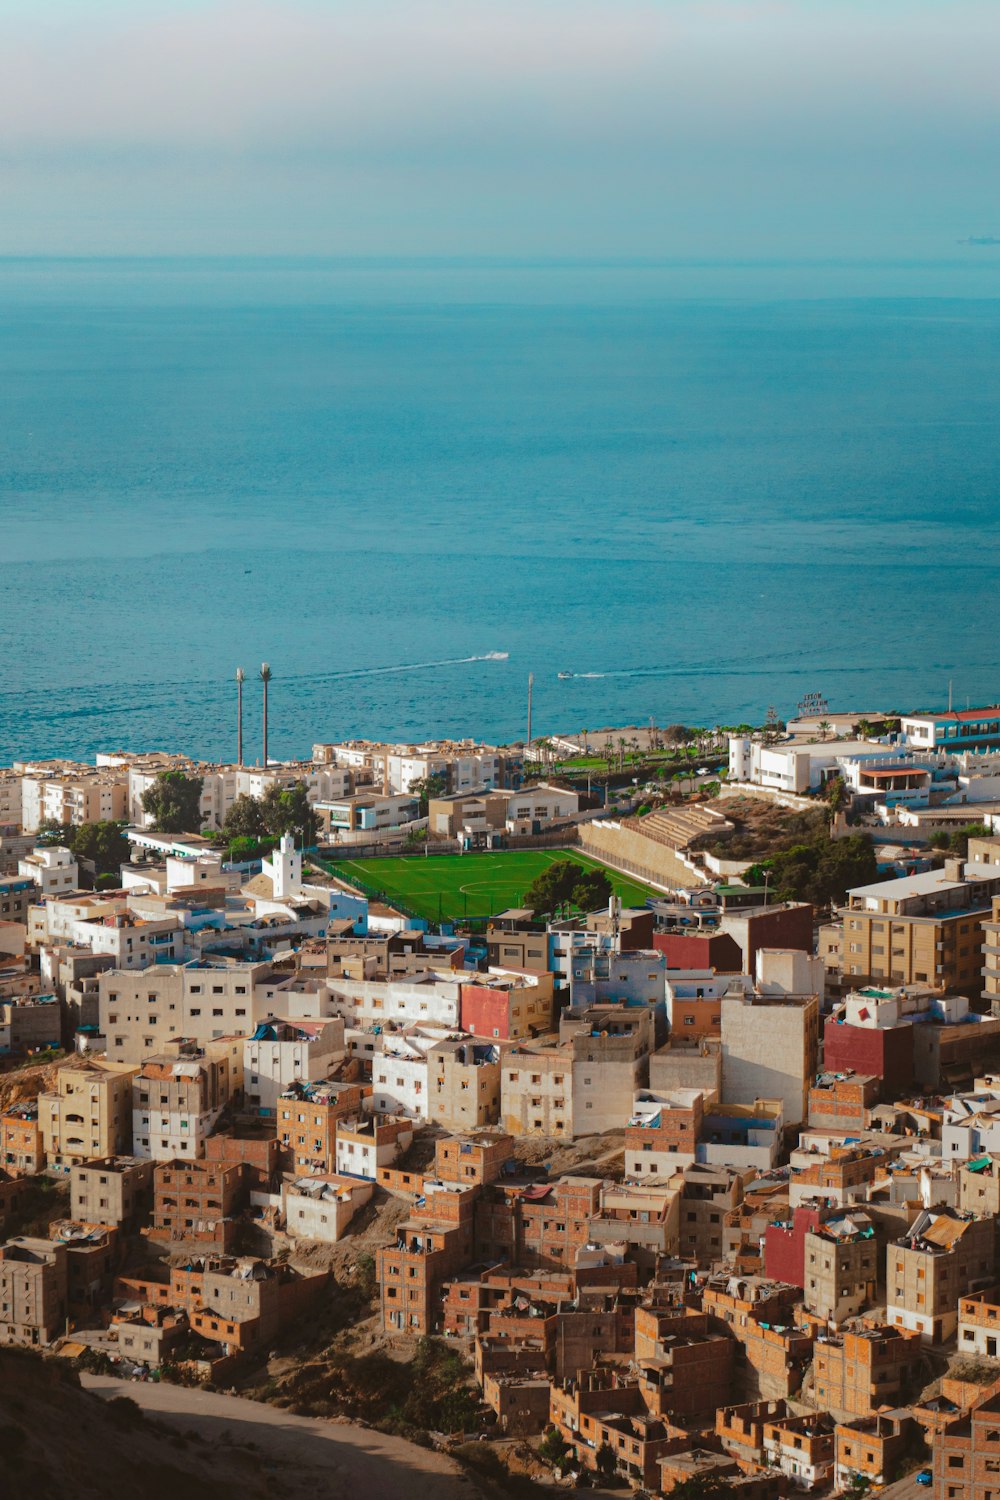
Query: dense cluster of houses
pixel 705 1188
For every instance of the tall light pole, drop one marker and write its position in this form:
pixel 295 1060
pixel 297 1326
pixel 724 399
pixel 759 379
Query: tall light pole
pixel 531 684
pixel 265 677
pixel 240 679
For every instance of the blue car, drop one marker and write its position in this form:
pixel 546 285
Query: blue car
pixel 925 1477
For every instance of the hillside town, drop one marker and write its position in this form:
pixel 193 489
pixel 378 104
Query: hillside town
pixel 691 1157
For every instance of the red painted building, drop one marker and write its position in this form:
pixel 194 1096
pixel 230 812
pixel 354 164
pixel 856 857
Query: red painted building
pixel 785 1246
pixel 886 1053
pixel 700 950
pixel 787 924
pixel 508 1008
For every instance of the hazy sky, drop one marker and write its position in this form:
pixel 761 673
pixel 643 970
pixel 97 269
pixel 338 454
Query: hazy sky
pixel 554 127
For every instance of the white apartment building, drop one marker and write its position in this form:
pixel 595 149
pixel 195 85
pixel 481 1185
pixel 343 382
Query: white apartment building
pixel 54 870
pixel 140 1010
pixel 431 999
pixel 221 785
pixel 539 804
pixel 55 921
pixel 321 1208
pixel 280 1052
pixel 970 1125
pixel 464 766
pixel 789 767
pixel 401 1071
pixel 131 941
pixel 363 1146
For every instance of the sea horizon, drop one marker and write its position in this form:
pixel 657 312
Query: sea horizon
pixel 692 488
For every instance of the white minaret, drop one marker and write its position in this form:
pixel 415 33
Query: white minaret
pixel 286 869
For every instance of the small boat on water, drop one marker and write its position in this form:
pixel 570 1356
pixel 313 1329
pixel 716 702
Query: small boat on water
pixel 567 674
pixel 497 656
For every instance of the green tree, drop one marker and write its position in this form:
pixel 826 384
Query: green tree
pixel 701 1487
pixel 606 1460
pixel 287 810
pixel 564 882
pixel 823 870
pixel 837 795
pixel 174 802
pixel 939 839
pixel 245 819
pixel 428 788
pixel 959 841
pixel 104 843
pixel 554 1447
pixel 864 728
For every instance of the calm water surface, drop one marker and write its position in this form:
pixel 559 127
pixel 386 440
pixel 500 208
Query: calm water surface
pixel 700 489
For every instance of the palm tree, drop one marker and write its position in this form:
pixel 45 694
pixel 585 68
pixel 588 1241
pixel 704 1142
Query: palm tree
pixel 836 795
pixel 622 742
pixel 824 728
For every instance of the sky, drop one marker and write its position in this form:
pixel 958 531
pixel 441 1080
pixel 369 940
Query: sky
pixel 634 128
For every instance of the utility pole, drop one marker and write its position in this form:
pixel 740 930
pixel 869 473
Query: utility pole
pixel 265 677
pixel 240 679
pixel 531 684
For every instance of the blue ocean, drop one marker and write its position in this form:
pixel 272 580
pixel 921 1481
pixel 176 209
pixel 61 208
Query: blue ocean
pixel 700 489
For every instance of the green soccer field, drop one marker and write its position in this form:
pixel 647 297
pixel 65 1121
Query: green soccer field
pixel 448 887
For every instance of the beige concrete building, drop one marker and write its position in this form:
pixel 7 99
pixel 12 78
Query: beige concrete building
pixel 88 1114
pixel 33 1290
pixel 141 1010
pixel 991 956
pixel 922 929
pixel 179 1094
pixel 841 1268
pixel 584 1083
pixel 770 1050
pixel 611 1045
pixel 708 1194
pixel 941 1258
pixel 536 1091
pixel 979 1325
pixel 514 940
pixel 111 1190
pixel 70 792
pixel 979 1187
pixel 463 1081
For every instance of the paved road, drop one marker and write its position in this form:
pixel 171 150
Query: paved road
pixel 315 1457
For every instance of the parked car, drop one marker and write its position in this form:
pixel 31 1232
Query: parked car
pixel 925 1477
